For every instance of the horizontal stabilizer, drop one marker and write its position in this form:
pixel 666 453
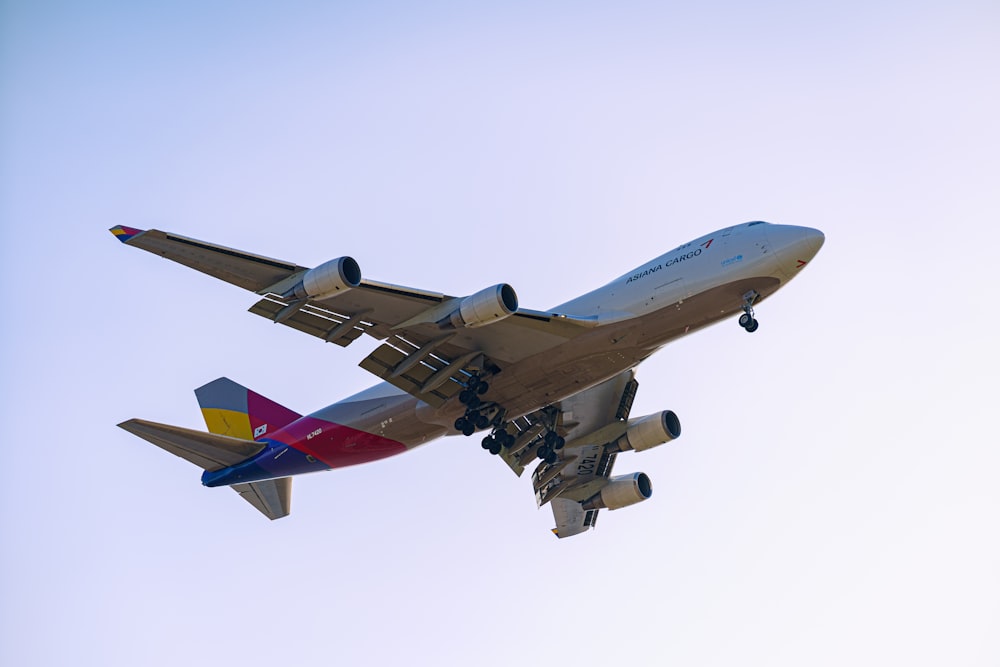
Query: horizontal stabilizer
pixel 272 497
pixel 206 450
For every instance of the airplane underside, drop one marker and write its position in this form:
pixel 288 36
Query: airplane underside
pixel 550 388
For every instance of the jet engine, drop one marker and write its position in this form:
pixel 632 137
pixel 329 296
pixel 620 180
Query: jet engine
pixel 647 432
pixel 327 280
pixel 621 491
pixel 484 307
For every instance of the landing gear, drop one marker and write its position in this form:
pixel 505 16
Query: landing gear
pixel 492 444
pixel 498 440
pixel 465 426
pixel 474 418
pixel 545 453
pixel 747 320
pixel 554 441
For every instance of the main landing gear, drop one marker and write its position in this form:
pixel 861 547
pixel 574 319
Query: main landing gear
pixel 551 443
pixel 480 415
pixel 747 320
pixel 475 417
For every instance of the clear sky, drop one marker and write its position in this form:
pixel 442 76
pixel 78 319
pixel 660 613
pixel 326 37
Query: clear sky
pixel 834 497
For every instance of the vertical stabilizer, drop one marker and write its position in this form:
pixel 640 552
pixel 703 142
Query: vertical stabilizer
pixel 232 409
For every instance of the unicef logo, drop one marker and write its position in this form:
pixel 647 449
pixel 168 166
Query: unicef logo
pixel 732 260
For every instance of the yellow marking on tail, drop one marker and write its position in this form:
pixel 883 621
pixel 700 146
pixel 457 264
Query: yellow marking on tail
pixel 228 422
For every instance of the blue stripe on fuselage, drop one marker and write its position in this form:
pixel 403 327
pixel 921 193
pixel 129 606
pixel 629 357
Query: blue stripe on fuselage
pixel 278 460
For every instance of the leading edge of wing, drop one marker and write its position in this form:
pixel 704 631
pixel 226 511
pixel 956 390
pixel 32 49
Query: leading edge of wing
pixel 243 269
pixel 206 450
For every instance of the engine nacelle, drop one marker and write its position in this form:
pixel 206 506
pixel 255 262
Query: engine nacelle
pixel 621 492
pixel 327 280
pixel 485 307
pixel 647 432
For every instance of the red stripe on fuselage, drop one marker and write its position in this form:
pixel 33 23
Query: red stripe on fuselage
pixel 336 445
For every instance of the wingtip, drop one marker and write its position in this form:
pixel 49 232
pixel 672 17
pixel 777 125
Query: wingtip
pixel 123 233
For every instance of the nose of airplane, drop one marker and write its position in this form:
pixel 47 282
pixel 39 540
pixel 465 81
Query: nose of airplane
pixel 810 241
pixel 793 247
pixel 799 243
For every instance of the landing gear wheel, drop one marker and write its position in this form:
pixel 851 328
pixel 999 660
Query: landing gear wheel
pixel 495 448
pixel 460 424
pixel 551 458
pixel 473 402
pixel 550 439
pixel 504 438
pixel 482 388
pixel 488 442
pixel 465 396
pixel 747 320
pixel 559 443
pixel 481 421
pixel 543 452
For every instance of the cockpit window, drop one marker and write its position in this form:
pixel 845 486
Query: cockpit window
pixel 759 222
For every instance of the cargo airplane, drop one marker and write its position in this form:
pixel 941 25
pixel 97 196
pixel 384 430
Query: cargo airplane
pixel 552 389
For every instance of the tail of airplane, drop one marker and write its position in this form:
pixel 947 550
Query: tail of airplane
pixel 232 409
pixel 236 417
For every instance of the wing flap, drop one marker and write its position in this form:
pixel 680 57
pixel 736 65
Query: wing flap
pixel 311 318
pixel 419 372
pixel 206 450
pixel 273 497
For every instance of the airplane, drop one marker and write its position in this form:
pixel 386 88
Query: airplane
pixel 552 388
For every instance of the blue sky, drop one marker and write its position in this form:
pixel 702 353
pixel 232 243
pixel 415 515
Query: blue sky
pixel 833 499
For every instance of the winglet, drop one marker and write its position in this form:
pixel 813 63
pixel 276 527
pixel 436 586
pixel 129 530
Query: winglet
pixel 125 233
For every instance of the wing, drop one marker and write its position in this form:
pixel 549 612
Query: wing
pixel 590 422
pixel 272 497
pixel 424 352
pixel 206 450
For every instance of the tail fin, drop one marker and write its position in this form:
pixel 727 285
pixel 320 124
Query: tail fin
pixel 232 409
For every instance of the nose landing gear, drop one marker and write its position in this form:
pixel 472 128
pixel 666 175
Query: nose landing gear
pixel 747 320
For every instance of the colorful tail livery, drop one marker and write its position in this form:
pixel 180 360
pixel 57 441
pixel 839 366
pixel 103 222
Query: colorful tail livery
pixel 236 418
pixel 232 409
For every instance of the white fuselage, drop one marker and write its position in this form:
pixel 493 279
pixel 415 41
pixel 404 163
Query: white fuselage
pixel 690 287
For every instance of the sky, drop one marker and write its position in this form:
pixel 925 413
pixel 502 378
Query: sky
pixel 833 499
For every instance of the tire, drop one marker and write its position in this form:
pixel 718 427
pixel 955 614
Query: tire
pixel 482 388
pixel 488 442
pixel 495 448
pixel 465 395
pixel 551 458
pixel 559 443
pixel 752 326
pixel 482 421
pixel 460 424
pixel 468 430
pixel 474 402
pixel 550 438
pixel 744 320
